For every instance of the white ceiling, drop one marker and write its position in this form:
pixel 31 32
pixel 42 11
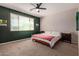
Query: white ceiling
pixel 51 8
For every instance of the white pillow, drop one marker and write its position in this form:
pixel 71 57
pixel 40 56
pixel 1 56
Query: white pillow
pixel 53 33
pixel 56 33
pixel 47 32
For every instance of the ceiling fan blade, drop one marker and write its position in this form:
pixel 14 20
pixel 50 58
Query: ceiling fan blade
pixel 33 4
pixel 32 9
pixel 42 8
pixel 38 5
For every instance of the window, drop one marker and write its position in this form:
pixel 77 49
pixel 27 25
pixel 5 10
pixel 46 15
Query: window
pixel 21 23
pixel 14 22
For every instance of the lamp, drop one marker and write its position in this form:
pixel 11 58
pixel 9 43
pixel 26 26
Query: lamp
pixel 37 24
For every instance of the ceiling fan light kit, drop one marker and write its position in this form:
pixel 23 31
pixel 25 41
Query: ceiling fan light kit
pixel 37 10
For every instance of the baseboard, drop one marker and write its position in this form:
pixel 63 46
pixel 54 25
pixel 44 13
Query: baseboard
pixel 12 41
pixel 74 42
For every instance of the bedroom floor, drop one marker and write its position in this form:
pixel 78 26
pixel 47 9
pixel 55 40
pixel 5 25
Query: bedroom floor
pixel 26 47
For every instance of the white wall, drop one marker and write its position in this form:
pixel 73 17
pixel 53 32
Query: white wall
pixel 64 21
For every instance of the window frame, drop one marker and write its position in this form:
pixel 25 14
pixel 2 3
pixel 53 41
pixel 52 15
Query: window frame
pixel 18 23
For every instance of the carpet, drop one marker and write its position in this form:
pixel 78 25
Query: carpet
pixel 26 47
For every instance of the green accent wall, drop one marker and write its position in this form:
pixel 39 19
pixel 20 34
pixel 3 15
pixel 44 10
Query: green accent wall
pixel 6 35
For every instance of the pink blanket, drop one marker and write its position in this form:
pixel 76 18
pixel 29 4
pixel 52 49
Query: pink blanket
pixel 44 36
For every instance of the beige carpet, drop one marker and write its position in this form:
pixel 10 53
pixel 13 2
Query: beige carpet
pixel 26 47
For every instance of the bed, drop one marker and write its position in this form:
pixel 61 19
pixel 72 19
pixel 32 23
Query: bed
pixel 48 38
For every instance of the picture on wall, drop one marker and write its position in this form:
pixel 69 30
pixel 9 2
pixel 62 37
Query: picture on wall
pixel 3 22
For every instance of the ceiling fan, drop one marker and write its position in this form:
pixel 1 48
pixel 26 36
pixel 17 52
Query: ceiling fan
pixel 37 7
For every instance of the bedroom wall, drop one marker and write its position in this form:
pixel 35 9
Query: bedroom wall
pixel 6 35
pixel 64 21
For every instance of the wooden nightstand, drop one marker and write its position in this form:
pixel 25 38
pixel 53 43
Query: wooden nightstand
pixel 66 37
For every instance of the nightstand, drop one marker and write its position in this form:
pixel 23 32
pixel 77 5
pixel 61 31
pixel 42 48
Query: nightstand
pixel 66 37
